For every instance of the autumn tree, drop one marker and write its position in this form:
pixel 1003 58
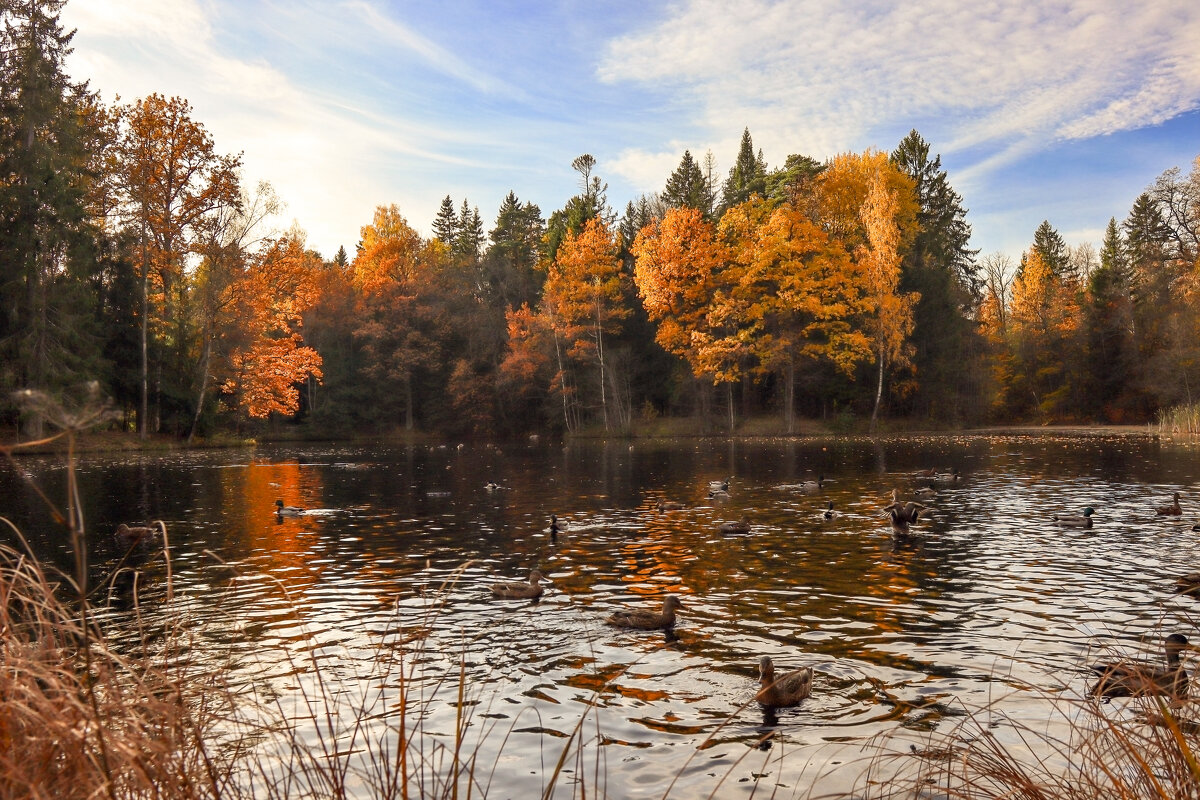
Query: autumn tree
pixel 892 311
pixel 271 361
pixel 584 295
pixel 794 295
pixel 174 181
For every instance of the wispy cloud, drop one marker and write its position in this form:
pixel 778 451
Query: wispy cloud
pixel 818 76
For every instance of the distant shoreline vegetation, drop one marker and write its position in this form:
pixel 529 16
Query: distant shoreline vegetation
pixel 841 289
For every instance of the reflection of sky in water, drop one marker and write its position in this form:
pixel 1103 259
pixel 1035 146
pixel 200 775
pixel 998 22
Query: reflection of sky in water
pixel 989 599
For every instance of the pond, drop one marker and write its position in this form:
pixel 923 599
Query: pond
pixel 988 603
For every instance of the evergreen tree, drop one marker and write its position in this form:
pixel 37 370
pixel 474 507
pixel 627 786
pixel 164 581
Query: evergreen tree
pixel 747 176
pixel 788 183
pixel 48 242
pixel 1111 347
pixel 1049 245
pixel 468 238
pixel 512 258
pixel 340 259
pixel 941 267
pixel 686 187
pixel 445 224
pixel 591 203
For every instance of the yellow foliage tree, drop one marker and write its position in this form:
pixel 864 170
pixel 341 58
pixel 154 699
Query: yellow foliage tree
pixel 585 297
pixel 1042 321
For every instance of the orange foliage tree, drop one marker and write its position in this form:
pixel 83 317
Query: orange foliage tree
pixel 795 291
pixel 279 284
pixel 1042 324
pixel 173 182
pixel 584 296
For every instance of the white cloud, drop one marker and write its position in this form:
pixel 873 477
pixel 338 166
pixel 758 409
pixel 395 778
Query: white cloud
pixel 818 76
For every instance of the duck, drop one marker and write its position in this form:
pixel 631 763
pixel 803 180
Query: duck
pixel 718 494
pixel 947 477
pixel 556 527
pixel 720 486
pixel 287 511
pixel 1188 584
pixel 785 691
pixel 645 620
pixel 829 513
pixel 129 535
pixel 1083 520
pixel 741 526
pixel 812 486
pixel 1138 680
pixel 925 473
pixel 492 486
pixel 518 590
pixel 669 505
pixel 902 515
pixel 1173 510
pixel 926 493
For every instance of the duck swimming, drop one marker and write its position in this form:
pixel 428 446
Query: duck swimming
pixel 287 511
pixel 1075 521
pixel 1173 510
pixel 785 691
pixel 648 620
pixel 829 513
pixel 812 486
pixel 129 535
pixel 668 505
pixel 1138 680
pixel 720 486
pixel 741 526
pixel 520 591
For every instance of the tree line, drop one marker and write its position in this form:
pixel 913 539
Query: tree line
pixel 845 289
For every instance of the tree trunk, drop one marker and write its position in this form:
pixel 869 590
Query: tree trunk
pixel 600 356
pixel 878 394
pixel 203 387
pixel 408 403
pixel 729 395
pixel 789 396
pixel 143 415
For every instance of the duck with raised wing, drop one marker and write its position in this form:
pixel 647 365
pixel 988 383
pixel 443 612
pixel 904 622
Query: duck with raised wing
pixel 647 620
pixel 1173 510
pixel 1083 520
pixel 902 514
pixel 287 511
pixel 1137 680
pixel 785 691
pixel 518 590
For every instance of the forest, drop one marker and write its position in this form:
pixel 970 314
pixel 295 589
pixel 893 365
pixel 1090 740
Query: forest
pixel 134 258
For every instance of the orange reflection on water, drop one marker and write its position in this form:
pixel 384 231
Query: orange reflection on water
pixel 248 507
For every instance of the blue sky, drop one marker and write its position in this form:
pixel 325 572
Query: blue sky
pixel 1063 111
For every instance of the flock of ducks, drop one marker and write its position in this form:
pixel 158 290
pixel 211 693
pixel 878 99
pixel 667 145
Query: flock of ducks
pixel 1118 679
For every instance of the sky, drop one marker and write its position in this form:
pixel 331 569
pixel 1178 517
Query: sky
pixel 1060 111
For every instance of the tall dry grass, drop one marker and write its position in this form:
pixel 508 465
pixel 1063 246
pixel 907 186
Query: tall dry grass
pixel 1181 421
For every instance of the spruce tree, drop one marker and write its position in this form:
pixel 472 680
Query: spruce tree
pixel 686 186
pixel 747 176
pixel 1048 244
pixel 445 224
pixel 48 263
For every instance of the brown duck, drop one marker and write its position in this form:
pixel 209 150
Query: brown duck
pixel 520 591
pixel 785 691
pixel 645 620
pixel 129 535
pixel 1137 680
pixel 1173 510
pixel 902 514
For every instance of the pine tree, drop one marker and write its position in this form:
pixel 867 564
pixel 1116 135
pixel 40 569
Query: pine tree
pixel 1049 245
pixel 340 259
pixel 48 244
pixel 1111 346
pixel 445 224
pixel 686 187
pixel 512 258
pixel 748 175
pixel 468 239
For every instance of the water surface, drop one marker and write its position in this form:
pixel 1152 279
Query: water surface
pixel 989 603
